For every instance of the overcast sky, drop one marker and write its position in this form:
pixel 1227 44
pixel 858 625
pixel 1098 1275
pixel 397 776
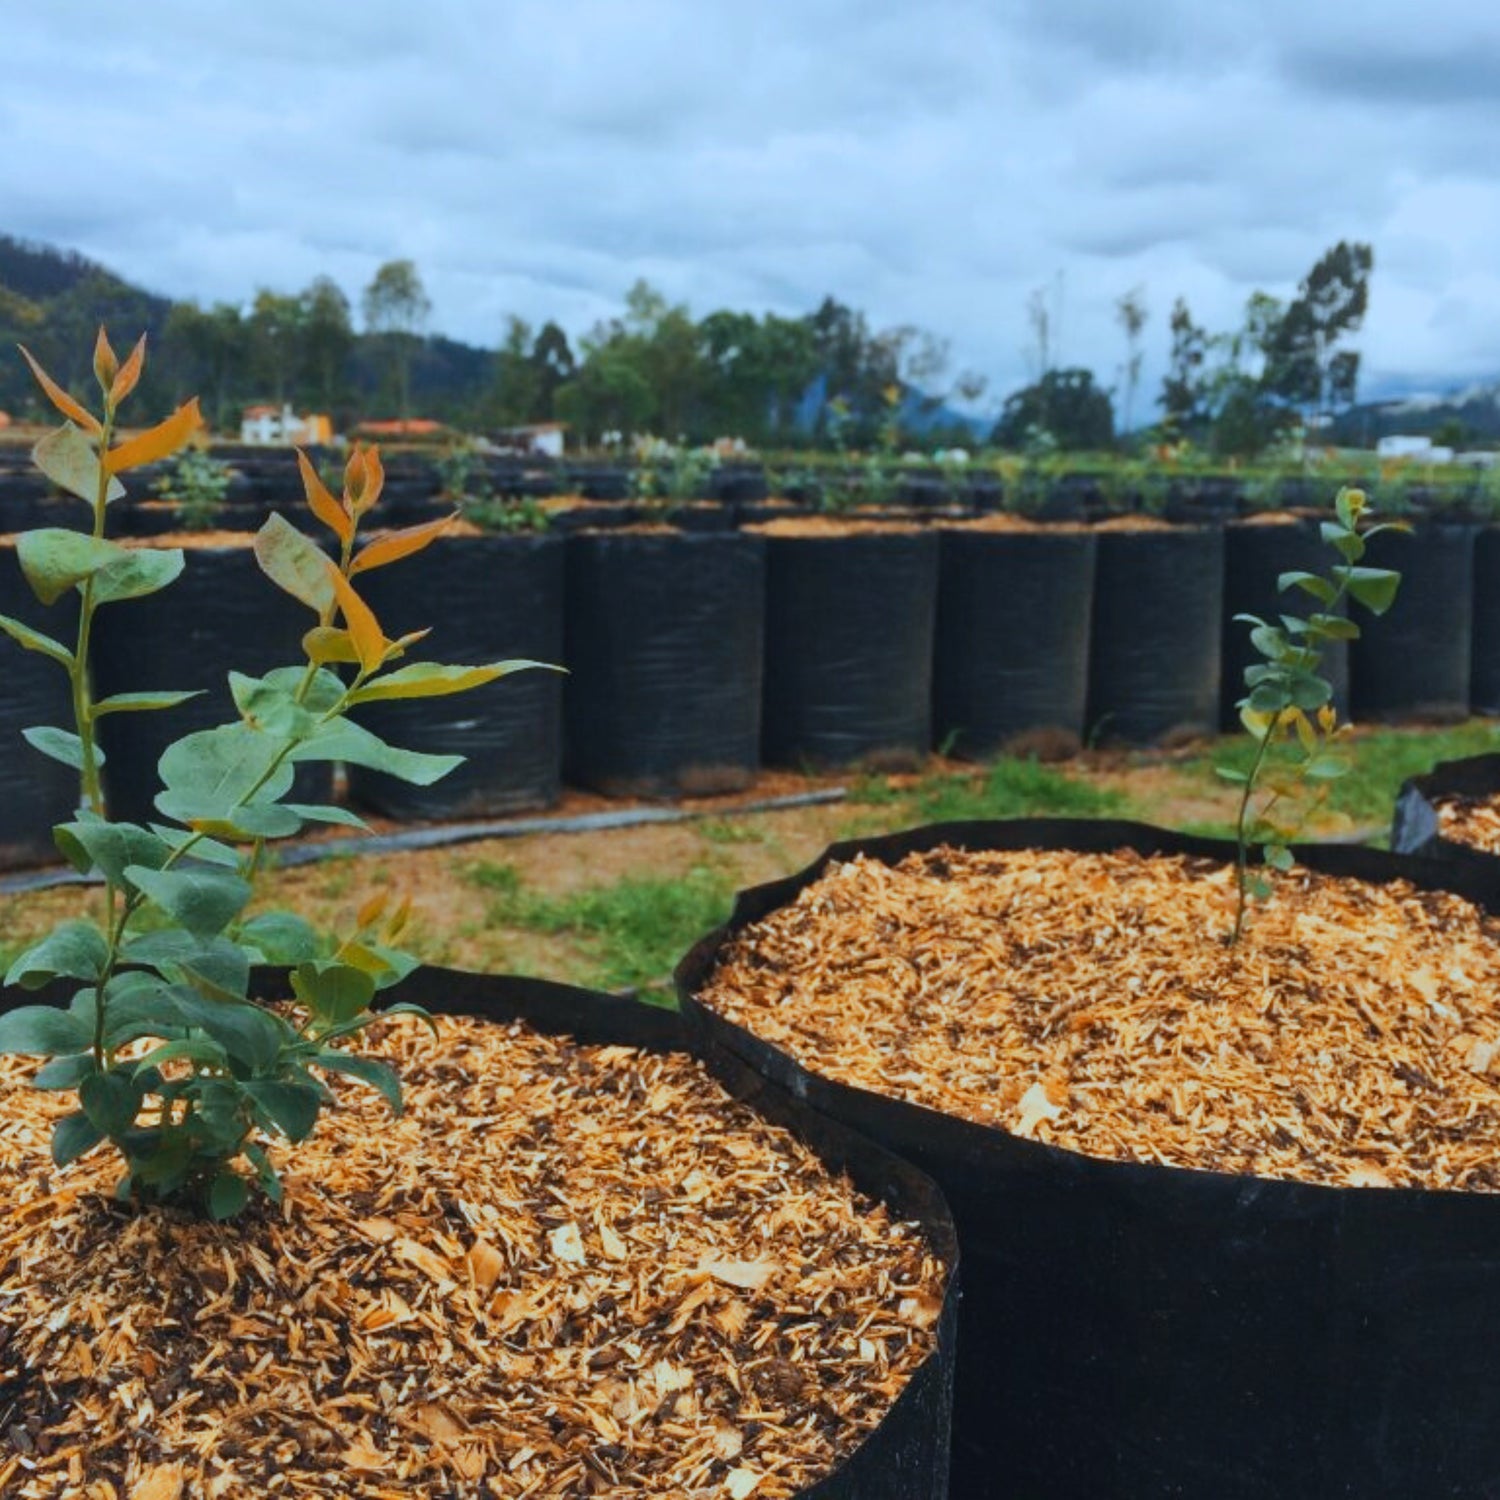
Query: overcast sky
pixel 928 161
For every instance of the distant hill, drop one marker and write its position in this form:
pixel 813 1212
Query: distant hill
pixel 1475 407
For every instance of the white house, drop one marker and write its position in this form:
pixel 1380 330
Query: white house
pixel 1422 449
pixel 545 439
pixel 265 424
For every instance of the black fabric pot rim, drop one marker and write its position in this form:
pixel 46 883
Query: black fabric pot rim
pixel 986 1146
pixel 905 1453
pixel 1415 827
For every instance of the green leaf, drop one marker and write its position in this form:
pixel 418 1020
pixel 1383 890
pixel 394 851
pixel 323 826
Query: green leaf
pixel 140 1005
pixel 211 851
pixel 34 640
pixel 209 774
pixel 1310 583
pixel 59 745
pixel 54 559
pixel 68 459
pixel 215 965
pixel 227 1196
pixel 335 993
pixel 202 1050
pixel 1327 767
pixel 203 901
pixel 90 844
pixel 294 563
pixel 367 1070
pixel 1231 774
pixel 72 950
pixel 1270 640
pixel 1375 588
pixel 72 1136
pixel 1279 857
pixel 111 1101
pixel 1310 692
pixel 134 703
pixel 1333 628
pixel 137 572
pixel 64 1073
pixel 42 1031
pixel 1269 698
pixel 426 679
pixel 250 1035
pixel 265 1173
pixel 316 813
pixel 282 937
pixel 271 707
pixel 339 739
pixel 291 1108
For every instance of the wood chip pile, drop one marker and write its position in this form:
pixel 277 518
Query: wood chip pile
pixel 1089 1000
pixel 1470 820
pixel 565 1271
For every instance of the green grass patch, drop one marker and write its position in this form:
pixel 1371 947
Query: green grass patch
pixel 1015 789
pixel 632 930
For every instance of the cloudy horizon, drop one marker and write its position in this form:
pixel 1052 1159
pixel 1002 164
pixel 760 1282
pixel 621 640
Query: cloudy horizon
pixel 928 164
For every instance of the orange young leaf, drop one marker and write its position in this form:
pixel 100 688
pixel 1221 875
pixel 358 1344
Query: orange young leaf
pixel 106 362
pixel 60 398
pixel 371 911
pixel 364 629
pixel 364 478
pixel 398 544
pixel 129 372
pixel 321 502
pixel 160 441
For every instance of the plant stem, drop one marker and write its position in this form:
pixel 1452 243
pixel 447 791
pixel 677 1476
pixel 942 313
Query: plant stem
pixel 1241 834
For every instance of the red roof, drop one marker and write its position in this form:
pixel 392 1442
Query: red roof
pixel 409 427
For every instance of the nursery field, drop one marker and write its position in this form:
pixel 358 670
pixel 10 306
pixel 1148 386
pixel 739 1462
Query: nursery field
pixel 615 908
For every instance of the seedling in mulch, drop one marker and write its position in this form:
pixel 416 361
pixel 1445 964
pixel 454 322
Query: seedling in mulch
pixel 170 1059
pixel 1300 748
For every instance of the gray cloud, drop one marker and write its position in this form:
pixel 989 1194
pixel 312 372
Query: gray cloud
pixel 927 162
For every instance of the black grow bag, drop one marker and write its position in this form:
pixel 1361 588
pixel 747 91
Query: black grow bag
pixel 1144 1331
pixel 1012 657
pixel 488 598
pixel 1413 662
pixel 664 660
pixel 1158 622
pixel 1415 826
pixel 905 1457
pixel 850 621
pixel 36 791
pixel 221 614
pixel 1484 635
pixel 1256 554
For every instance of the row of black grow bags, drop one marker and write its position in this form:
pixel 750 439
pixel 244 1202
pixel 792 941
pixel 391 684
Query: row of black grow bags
pixel 1139 1330
pixel 1416 827
pixel 906 1456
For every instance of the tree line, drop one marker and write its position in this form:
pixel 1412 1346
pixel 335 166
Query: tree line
pixel 827 378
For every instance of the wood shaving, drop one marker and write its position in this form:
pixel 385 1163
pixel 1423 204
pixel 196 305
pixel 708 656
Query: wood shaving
pixel 1090 1001
pixel 1474 821
pixel 565 1271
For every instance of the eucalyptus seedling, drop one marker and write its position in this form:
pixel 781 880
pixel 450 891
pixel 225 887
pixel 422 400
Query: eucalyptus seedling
pixel 1288 706
pixel 171 1060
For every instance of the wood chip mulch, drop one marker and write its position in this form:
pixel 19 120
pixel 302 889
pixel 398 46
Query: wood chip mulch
pixel 565 1271
pixel 1470 820
pixel 1089 1000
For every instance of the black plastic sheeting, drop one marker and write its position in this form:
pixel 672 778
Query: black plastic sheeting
pixel 36 792
pixel 487 598
pixel 1011 667
pixel 850 626
pixel 1413 662
pixel 1415 828
pixel 1137 1330
pixel 1484 635
pixel 664 655
pixel 905 1457
pixel 221 614
pixel 1154 669
pixel 1256 554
